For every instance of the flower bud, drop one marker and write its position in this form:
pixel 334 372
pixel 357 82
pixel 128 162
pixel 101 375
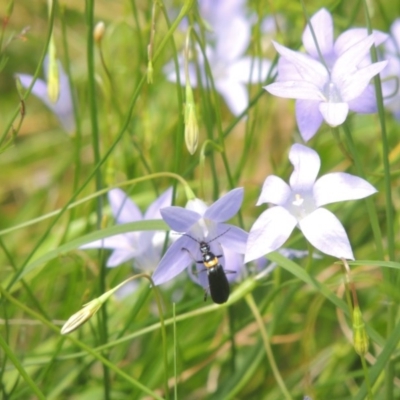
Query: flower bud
pixel 98 32
pixel 360 337
pixel 191 126
pixel 79 318
pixel 53 79
pixel 89 309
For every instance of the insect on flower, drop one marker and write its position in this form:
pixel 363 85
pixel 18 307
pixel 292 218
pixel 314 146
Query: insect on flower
pixel 217 280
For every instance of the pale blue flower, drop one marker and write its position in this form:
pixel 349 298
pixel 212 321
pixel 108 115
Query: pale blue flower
pixel 300 204
pixel 63 107
pixel 144 247
pixel 327 91
pixel 198 223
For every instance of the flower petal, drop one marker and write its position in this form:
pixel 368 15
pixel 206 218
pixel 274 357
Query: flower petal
pixel 112 242
pixel 348 62
pixel 322 25
pixel 165 200
pixel 295 90
pixel 39 89
pixel 275 190
pixel 325 232
pixel 306 163
pixel 352 36
pixel 179 219
pixel 365 103
pixel 234 93
pixel 287 71
pixel 309 69
pixel 334 113
pixel 175 260
pixel 249 70
pixel 63 108
pixel 352 86
pixel 233 38
pixel 232 238
pixel 225 207
pixel 271 229
pixel 123 208
pixel 118 257
pixel 308 117
pixel 339 186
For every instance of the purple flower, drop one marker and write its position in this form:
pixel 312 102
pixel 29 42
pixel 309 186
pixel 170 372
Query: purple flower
pixel 203 224
pixel 328 91
pixel 300 204
pixel 63 107
pixel 231 70
pixel 391 74
pixel 145 247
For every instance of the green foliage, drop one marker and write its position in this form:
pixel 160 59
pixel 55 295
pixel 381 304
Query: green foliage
pixel 286 334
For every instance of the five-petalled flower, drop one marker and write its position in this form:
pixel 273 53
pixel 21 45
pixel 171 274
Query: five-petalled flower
pixel 145 246
pixel 328 90
pixel 198 223
pixel 300 204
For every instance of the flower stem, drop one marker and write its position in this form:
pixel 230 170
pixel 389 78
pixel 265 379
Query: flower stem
pixel 267 345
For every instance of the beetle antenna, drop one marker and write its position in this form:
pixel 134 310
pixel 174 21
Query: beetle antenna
pixel 223 233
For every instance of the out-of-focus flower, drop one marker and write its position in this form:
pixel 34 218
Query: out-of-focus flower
pixel 328 90
pixel 391 74
pixel 63 107
pixel 300 204
pixel 203 224
pixel 231 69
pixel 145 247
pixel 98 32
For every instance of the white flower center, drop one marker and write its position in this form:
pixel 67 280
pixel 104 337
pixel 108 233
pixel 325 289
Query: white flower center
pixel 203 229
pixel 332 93
pixel 301 204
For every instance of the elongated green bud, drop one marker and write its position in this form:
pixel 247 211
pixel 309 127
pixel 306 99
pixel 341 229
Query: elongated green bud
pixel 79 318
pixel 53 79
pixel 90 309
pixel 360 337
pixel 191 125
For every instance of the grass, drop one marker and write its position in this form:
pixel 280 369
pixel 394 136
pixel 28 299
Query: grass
pixel 282 335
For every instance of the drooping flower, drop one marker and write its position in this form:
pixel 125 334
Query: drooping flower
pixel 199 223
pixel 63 106
pixel 301 204
pixel 144 247
pixel 231 69
pixel 328 90
pixel 391 74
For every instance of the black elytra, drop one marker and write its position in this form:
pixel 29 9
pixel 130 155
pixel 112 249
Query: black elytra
pixel 217 280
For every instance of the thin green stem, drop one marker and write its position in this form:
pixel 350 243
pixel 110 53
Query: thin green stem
pixel 371 209
pixel 34 78
pixel 267 345
pixel 366 377
pixel 81 345
pixel 123 128
pixel 10 354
